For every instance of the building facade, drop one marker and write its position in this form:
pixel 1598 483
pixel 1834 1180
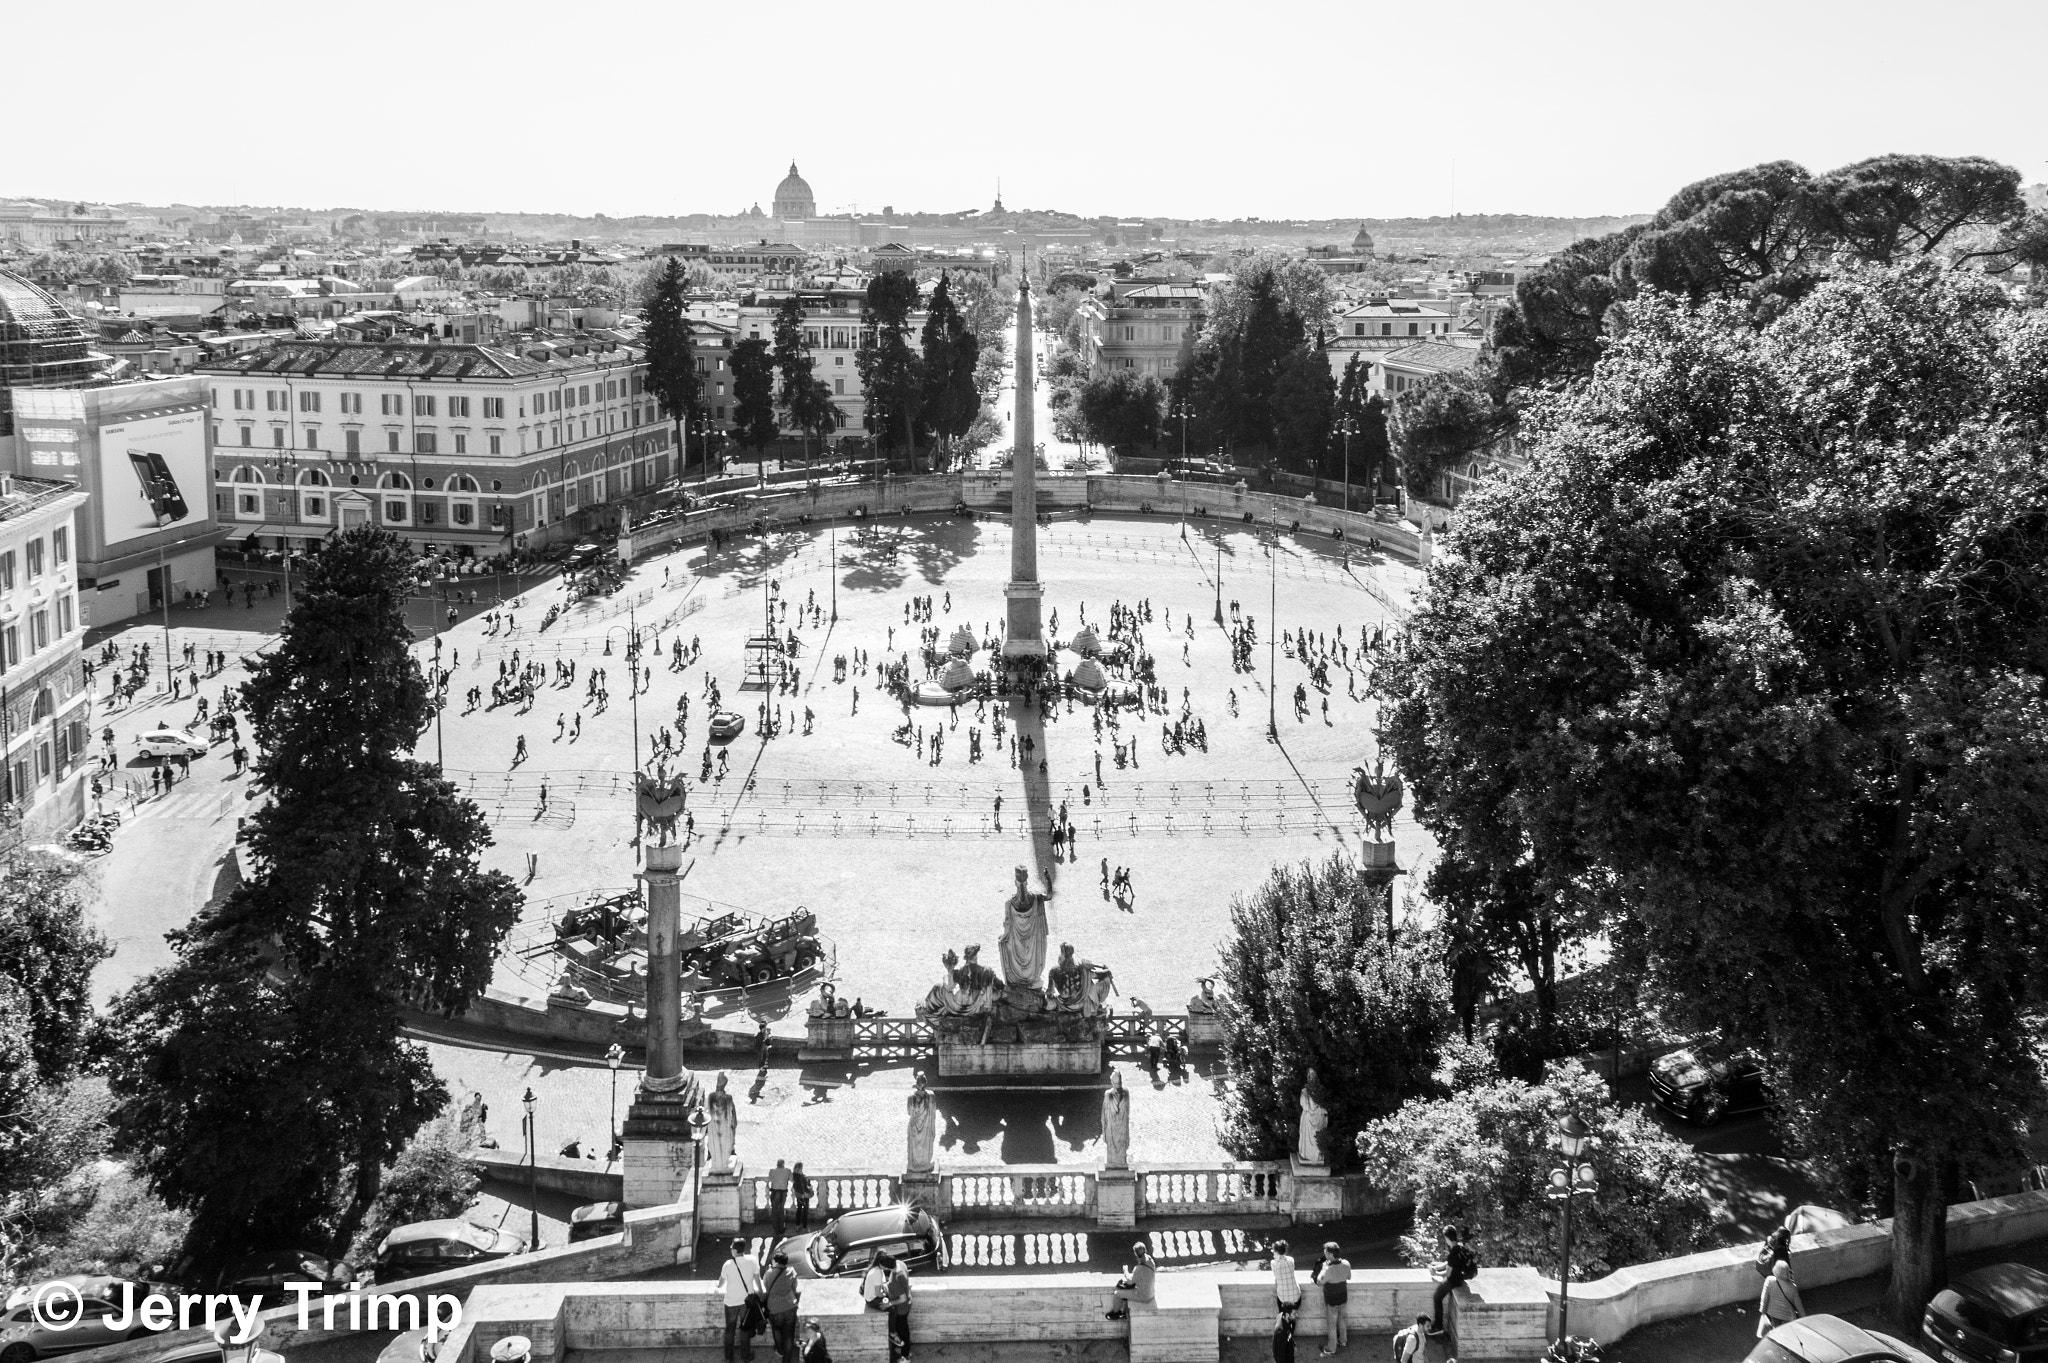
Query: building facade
pixel 1380 325
pixel 1141 327
pixel 44 715
pixel 465 449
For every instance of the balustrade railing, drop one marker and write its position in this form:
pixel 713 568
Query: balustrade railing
pixel 831 1194
pixel 1026 1190
pixel 1200 1191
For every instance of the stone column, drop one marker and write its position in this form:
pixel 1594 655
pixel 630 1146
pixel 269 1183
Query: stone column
pixel 660 1157
pixel 1026 637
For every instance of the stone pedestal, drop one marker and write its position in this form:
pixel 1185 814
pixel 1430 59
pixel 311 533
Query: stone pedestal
pixel 1116 1199
pixel 1205 1031
pixel 1081 1059
pixel 1318 1197
pixel 827 1039
pixel 659 1156
pixel 718 1205
pixel 1503 1313
pixel 922 1190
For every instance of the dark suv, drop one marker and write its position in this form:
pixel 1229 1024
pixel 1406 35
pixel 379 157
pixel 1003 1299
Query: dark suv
pixel 1993 1315
pixel 1703 1084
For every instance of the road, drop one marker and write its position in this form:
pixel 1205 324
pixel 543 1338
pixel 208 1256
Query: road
pixel 1059 455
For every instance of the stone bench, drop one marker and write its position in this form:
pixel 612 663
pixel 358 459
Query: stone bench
pixel 1180 1324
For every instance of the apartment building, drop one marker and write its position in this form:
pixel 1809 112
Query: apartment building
pixel 465 449
pixel 834 322
pixel 1381 324
pixel 44 720
pixel 1141 326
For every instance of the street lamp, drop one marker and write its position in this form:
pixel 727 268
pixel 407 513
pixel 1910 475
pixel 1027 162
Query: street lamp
pixel 1569 1182
pixel 615 1057
pixel 698 1124
pixel 440 701
pixel 1348 427
pixel 532 1175
pixel 1182 409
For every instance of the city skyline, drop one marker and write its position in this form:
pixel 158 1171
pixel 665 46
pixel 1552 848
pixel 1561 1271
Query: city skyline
pixel 1407 118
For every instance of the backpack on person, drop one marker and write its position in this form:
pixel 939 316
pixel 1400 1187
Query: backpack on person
pixel 1410 1345
pixel 1463 1263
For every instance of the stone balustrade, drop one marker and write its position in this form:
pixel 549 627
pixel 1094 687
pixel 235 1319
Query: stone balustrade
pixel 832 1192
pixel 1198 1190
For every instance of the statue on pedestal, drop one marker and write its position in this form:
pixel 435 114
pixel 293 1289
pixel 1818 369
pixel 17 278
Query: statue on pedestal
pixel 975 982
pixel 1116 1124
pixel 1078 986
pixel 1204 999
pixel 1315 1119
pixel 659 803
pixel 924 1126
pixel 722 1128
pixel 1024 932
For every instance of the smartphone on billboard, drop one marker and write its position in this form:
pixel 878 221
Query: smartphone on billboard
pixel 166 503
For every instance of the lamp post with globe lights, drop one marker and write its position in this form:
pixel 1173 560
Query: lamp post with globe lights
pixel 614 1057
pixel 1567 1184
pixel 532 1174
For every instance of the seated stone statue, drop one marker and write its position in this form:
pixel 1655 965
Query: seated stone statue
pixel 1204 1000
pixel 1066 983
pixel 822 1006
pixel 945 999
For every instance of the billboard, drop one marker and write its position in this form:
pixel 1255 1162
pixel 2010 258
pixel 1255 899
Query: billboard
pixel 152 475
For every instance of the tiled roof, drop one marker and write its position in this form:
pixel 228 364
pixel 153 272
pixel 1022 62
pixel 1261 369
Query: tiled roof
pixel 1434 356
pixel 390 360
pixel 1394 310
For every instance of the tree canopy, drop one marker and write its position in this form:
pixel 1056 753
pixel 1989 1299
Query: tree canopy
pixel 891 374
pixel 1311 981
pixel 1751 657
pixel 671 365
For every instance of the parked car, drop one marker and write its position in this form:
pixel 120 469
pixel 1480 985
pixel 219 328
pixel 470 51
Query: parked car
pixel 437 1246
pixel 207 1351
pixel 593 1219
pixel 267 1275
pixel 1703 1084
pixel 1830 1339
pixel 162 743
pixel 846 1245
pixel 79 1311
pixel 1997 1314
pixel 726 725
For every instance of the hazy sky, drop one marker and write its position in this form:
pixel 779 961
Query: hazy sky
pixel 1199 109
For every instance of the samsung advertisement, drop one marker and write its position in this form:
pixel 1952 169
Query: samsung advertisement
pixel 152 475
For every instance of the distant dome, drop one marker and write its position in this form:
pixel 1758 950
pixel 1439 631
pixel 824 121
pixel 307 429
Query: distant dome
pixel 1361 244
pixel 42 342
pixel 793 197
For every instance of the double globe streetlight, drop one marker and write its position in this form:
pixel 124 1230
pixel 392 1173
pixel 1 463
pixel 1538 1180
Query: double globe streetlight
pixel 1568 1183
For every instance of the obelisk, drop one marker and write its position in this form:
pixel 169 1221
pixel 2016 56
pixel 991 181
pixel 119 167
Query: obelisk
pixel 659 1154
pixel 1026 639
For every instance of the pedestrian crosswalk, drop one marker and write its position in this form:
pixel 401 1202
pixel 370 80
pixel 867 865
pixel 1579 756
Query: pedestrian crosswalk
pixel 189 804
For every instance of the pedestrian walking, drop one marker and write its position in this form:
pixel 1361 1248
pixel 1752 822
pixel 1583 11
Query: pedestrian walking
pixel 1412 1344
pixel 740 1282
pixel 778 1189
pixel 779 1288
pixel 543 800
pixel 899 1312
pixel 1283 1338
pixel 814 1350
pixel 874 1284
pixel 1333 1274
pixel 1779 1301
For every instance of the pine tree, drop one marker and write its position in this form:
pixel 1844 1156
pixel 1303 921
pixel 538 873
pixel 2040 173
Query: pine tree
pixel 891 374
pixel 671 367
pixel 369 891
pixel 753 391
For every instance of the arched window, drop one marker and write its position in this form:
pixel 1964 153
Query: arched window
pixel 247 473
pixel 46 705
pixel 397 480
pixel 462 482
pixel 314 478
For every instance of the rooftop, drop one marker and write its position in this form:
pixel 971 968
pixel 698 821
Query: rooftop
pixel 1436 356
pixel 19 496
pixel 403 360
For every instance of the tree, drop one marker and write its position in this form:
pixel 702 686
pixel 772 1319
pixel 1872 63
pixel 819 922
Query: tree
pixel 1551 331
pixel 1366 411
pixel 891 375
pixel 369 891
pixel 1751 658
pixel 1744 234
pixel 806 401
pixel 1448 417
pixel 1887 208
pixel 753 391
pixel 671 368
pixel 48 951
pixel 950 352
pixel 1481 1158
pixel 433 1178
pixel 1313 982
pixel 1121 409
pixel 1304 409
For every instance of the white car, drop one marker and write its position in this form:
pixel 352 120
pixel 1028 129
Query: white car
pixel 162 743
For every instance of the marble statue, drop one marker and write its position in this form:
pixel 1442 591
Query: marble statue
pixel 1024 931
pixel 1314 1120
pixel 1078 986
pixel 924 1123
pixel 973 978
pixel 722 1130
pixel 945 997
pixel 1205 1000
pixel 1116 1124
